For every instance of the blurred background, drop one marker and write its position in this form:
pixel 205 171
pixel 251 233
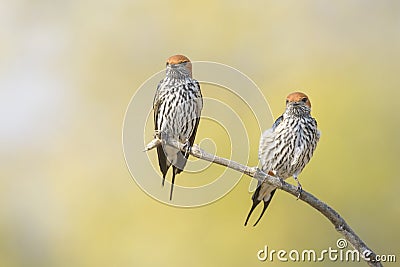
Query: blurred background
pixel 68 70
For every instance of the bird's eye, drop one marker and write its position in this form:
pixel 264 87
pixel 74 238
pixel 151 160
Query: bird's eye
pixel 304 99
pixel 167 64
pixel 287 101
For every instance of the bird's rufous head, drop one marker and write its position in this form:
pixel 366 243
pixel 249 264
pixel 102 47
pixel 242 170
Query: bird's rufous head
pixel 298 98
pixel 178 62
pixel 177 59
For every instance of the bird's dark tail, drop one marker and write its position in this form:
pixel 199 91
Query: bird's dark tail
pixel 266 204
pixel 175 171
pixel 256 201
pixel 162 162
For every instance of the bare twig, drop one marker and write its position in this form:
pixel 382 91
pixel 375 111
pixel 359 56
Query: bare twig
pixel 340 224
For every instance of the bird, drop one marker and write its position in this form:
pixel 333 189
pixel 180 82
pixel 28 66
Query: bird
pixel 286 148
pixel 177 108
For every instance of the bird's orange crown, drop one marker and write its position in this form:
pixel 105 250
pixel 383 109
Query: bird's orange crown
pixel 177 59
pixel 298 97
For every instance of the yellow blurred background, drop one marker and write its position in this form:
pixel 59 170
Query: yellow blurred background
pixel 68 70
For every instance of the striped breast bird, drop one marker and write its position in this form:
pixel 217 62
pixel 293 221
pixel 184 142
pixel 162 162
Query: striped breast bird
pixel 286 148
pixel 177 106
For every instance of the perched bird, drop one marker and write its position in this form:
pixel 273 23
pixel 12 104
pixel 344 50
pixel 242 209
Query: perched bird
pixel 177 106
pixel 286 148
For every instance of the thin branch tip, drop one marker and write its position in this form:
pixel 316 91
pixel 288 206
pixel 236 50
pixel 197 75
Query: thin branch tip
pixel 153 144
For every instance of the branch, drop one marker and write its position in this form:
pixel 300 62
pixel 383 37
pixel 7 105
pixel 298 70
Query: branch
pixel 340 224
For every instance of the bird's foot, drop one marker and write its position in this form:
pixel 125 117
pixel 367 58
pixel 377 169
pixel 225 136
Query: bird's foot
pixel 186 147
pixel 299 188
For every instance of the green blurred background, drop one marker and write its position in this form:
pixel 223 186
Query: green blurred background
pixel 69 68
